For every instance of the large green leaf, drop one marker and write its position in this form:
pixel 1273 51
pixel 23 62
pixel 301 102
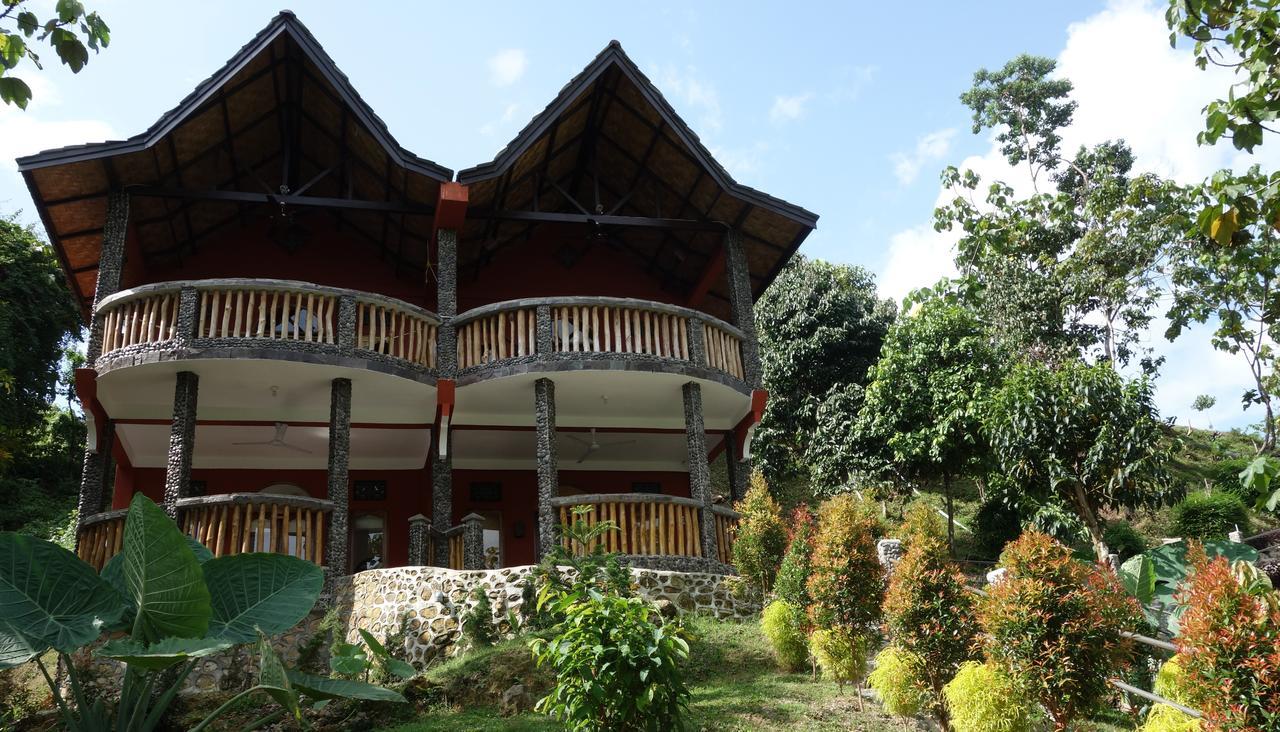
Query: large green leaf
pixel 319 687
pixel 259 592
pixel 113 573
pixel 160 655
pixel 1139 578
pixel 48 598
pixel 389 663
pixel 274 681
pixel 162 576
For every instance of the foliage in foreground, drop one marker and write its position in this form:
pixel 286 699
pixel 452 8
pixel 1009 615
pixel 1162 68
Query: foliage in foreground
pixel 983 698
pixel 784 625
pixel 1210 516
pixel 177 604
pixel 841 654
pixel 797 563
pixel 1051 609
pixel 760 537
pixel 1230 646
pixel 893 678
pixel 63 31
pixel 846 582
pixel 1170 683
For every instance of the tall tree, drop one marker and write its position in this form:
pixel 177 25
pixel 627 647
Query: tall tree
pixel 924 400
pixel 1082 434
pixel 69 30
pixel 820 327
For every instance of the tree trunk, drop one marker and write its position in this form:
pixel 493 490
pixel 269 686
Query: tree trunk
pixel 1091 522
pixel 951 513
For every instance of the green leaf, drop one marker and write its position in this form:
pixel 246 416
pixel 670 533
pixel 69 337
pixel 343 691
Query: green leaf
pixel 322 688
pixel 260 592
pixel 160 655
pixel 69 10
pixel 1138 575
pixel 28 23
pixel 274 681
pixel 162 576
pixel 14 91
pixel 348 659
pixel 48 598
pixel 12 49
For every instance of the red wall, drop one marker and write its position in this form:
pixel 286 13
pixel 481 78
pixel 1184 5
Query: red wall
pixel 520 499
pixel 533 269
pixel 328 257
pixel 408 493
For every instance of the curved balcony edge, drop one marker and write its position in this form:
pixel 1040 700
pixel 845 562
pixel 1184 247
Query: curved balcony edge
pixel 590 301
pixel 569 362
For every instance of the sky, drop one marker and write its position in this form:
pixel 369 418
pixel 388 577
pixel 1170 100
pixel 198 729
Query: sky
pixel 848 109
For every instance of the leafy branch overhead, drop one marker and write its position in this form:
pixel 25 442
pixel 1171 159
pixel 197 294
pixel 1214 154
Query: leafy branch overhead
pixel 71 32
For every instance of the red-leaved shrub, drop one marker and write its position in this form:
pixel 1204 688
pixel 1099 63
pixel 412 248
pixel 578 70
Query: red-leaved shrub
pixel 846 581
pixel 1229 647
pixel 1054 625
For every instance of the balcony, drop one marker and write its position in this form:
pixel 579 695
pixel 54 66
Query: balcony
pixel 649 525
pixel 597 332
pixel 248 318
pixel 232 523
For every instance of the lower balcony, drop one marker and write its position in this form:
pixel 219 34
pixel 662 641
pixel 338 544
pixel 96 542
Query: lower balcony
pixel 648 525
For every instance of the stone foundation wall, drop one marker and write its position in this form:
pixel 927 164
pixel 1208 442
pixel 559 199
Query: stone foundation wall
pixel 426 606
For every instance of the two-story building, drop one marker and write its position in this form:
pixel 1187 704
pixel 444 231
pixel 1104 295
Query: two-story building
pixel 305 338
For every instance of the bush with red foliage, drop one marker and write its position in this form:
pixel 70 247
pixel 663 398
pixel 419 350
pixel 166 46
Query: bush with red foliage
pixel 846 581
pixel 796 565
pixel 1230 646
pixel 1054 625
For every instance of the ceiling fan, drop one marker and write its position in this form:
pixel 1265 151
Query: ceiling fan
pixel 277 440
pixel 594 445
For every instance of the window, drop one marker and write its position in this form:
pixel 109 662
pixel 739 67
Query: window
pixel 486 491
pixel 369 490
pixel 646 486
pixel 368 536
pixel 492 538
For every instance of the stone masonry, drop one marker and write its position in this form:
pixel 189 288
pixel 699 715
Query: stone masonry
pixel 339 461
pixel 699 472
pixel 741 301
pixel 182 441
pixel 544 404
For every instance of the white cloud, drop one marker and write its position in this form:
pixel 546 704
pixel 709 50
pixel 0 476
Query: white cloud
pixel 508 114
pixel 1129 85
pixel 742 163
pixel 850 81
pixel 787 108
pixel 930 148
pixel 690 93
pixel 507 66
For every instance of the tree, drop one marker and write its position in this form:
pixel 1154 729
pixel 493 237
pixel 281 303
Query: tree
pixel 64 32
pixel 1203 403
pixel 924 399
pixel 1081 434
pixel 820 327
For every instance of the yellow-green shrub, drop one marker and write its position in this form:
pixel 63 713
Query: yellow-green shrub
pixel 840 654
pixel 783 625
pixel 1164 718
pixel 894 679
pixel 846 581
pixel 921 520
pixel 1170 681
pixel 761 537
pixel 981 698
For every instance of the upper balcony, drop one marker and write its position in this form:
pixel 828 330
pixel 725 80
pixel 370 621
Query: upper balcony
pixel 267 319
pixel 597 333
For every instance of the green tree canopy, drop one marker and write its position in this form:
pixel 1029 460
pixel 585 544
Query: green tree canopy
pixel 820 327
pixel 68 31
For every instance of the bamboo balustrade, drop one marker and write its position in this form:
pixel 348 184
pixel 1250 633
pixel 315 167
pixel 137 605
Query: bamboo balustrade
pixel 609 329
pixel 455 548
pixel 101 537
pixel 395 332
pixel 236 523
pixel 497 336
pixel 647 524
pixel 251 312
pixel 724 350
pixel 726 528
pixel 149 319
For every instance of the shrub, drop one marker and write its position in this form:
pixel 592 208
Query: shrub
pixel 761 537
pixel 1170 683
pixel 921 521
pixel 783 625
pixel 1210 515
pixel 1123 539
pixel 1228 646
pixel 846 582
pixel 983 698
pixel 1226 479
pixel 796 565
pixel 478 628
pixel 929 614
pixel 616 665
pixel 996 525
pixel 841 654
pixel 895 681
pixel 1054 625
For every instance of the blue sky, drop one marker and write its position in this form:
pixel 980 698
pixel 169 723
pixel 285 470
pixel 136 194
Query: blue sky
pixel 847 109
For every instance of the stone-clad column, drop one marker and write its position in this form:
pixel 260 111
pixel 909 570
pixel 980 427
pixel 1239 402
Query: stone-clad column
pixel 94 475
pixel 739 470
pixel 447 301
pixel 695 434
pixel 473 541
pixel 419 540
pixel 339 462
pixel 182 442
pixel 544 406
pixel 741 301
pixel 441 502
pixel 697 342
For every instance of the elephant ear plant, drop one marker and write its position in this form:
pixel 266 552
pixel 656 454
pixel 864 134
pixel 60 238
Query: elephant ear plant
pixel 167 602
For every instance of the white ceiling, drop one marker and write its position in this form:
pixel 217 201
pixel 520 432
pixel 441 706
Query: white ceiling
pixel 371 449
pixel 514 450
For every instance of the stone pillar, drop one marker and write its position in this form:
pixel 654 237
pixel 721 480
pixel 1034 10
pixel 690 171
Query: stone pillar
pixel 419 540
pixel 97 477
pixel 739 470
pixel 697 342
pixel 336 544
pixel 110 265
pixel 544 337
pixel 182 442
pixel 544 406
pixel 889 552
pixel 184 331
pixel 699 471
pixel 441 503
pixel 473 541
pixel 740 300
pixel 346 324
pixel 447 301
